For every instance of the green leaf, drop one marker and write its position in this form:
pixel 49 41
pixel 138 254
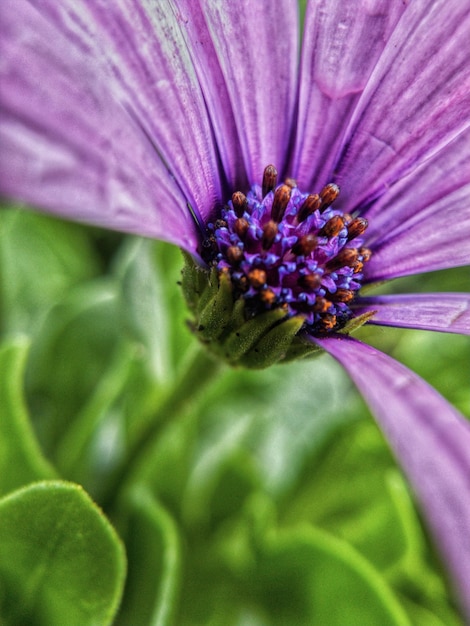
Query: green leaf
pixel 61 562
pixel 221 483
pixel 78 339
pixel 355 491
pixel 349 495
pixel 290 577
pixel 40 257
pixel 151 304
pixel 306 576
pixel 291 409
pixel 154 551
pixel 71 453
pixel 21 459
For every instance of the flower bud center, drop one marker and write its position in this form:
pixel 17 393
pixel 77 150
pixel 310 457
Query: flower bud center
pixel 283 248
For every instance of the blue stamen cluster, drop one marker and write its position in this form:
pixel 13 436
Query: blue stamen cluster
pixel 285 248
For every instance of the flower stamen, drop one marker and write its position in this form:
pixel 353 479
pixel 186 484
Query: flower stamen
pixel 284 249
pixel 240 203
pixel 311 204
pixel 328 195
pixel 269 180
pixel 281 199
pixel 270 231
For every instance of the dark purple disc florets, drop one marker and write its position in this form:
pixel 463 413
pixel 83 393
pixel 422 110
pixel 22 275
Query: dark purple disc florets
pixel 285 248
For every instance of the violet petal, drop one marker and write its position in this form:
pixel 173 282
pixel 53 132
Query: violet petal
pixel 216 95
pixel 410 198
pixel 342 43
pixel 436 238
pixel 68 146
pixel 139 49
pixel 416 101
pixel 430 439
pixel 257 46
pixel 444 312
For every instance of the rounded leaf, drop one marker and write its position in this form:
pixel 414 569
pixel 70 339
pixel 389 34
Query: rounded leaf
pixel 61 562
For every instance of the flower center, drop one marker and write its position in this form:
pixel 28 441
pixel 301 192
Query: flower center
pixel 283 248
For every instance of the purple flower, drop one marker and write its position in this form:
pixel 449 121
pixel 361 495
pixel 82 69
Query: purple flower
pixel 125 114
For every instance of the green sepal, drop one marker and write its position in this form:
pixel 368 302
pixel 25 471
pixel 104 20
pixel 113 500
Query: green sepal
pixel 214 318
pixel 223 325
pixel 193 281
pixel 210 289
pixel 274 345
pixel 238 314
pixel 242 340
pixel 301 348
pixel 356 322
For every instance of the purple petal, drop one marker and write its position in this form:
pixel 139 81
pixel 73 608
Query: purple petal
pixel 444 312
pixel 257 48
pixel 431 441
pixel 68 146
pixel 216 95
pixel 410 199
pixel 436 238
pixel 342 43
pixel 146 66
pixel 416 101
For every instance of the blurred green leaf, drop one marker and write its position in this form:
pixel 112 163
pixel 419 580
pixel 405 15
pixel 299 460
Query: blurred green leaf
pixel 61 563
pixel 354 490
pixel 443 360
pixel 71 452
pixel 421 615
pixel 267 420
pixel 220 484
pixel 280 415
pixel 154 553
pixel 152 307
pixel 40 257
pixel 349 495
pixel 21 459
pixel 306 576
pixel 299 576
pixel 71 354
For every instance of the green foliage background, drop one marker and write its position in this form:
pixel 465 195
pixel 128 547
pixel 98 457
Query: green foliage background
pixel 229 497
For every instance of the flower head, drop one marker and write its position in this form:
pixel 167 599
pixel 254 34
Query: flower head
pixel 160 118
pixel 291 250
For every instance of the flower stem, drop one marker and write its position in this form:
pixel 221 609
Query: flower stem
pixel 200 371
